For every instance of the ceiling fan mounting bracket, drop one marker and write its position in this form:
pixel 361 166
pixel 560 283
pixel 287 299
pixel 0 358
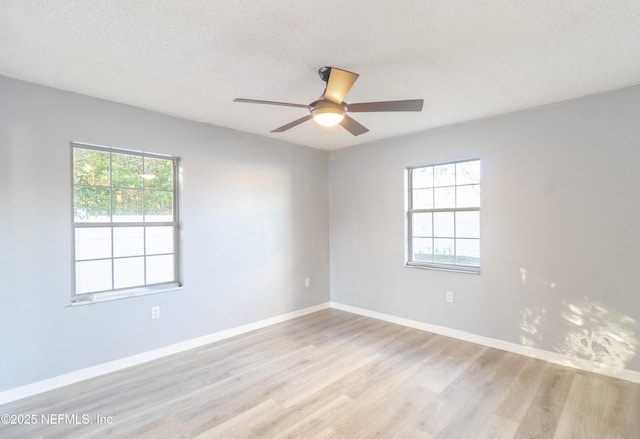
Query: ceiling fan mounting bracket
pixel 324 73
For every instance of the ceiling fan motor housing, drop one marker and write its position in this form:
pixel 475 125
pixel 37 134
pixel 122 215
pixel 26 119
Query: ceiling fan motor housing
pixel 322 106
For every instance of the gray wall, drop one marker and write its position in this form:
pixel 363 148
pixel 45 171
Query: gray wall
pixel 560 243
pixel 255 217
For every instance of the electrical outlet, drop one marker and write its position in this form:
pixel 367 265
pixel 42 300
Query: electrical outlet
pixel 450 296
pixel 307 282
pixel 155 312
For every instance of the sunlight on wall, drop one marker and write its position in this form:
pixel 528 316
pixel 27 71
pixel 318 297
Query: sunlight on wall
pixel 531 323
pixel 604 337
pixel 541 281
pixel 579 328
pixel 523 275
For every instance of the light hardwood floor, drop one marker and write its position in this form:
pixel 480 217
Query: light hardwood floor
pixel 333 374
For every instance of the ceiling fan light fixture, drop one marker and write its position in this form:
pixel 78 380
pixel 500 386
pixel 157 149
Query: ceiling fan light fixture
pixel 327 113
pixel 328 118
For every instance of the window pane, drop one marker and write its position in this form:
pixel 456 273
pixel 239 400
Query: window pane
pixel 444 175
pixel 444 251
pixel 468 196
pixel 422 177
pixel 158 206
pixel 468 224
pixel 422 199
pixel 159 240
pixel 91 204
pixel 468 172
pixel 93 276
pixel 443 224
pixel 126 170
pixel 468 252
pixel 93 243
pixel 444 197
pixel 158 174
pixel 160 269
pixel 421 225
pixel 422 249
pixel 128 272
pixel 127 205
pixel 128 241
pixel 90 167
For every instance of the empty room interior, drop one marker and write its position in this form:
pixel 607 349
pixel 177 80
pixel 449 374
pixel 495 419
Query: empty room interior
pixel 320 219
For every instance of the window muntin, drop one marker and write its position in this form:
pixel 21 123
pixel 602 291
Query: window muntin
pixel 125 220
pixel 443 216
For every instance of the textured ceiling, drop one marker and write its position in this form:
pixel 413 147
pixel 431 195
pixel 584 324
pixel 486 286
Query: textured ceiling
pixel 467 58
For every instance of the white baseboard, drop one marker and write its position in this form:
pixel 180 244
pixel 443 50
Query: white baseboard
pixel 113 366
pixel 553 357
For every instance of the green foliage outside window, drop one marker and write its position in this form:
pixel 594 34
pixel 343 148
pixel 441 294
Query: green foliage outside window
pixel 119 186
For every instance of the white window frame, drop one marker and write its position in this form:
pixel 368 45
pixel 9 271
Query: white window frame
pixel 410 211
pixel 81 298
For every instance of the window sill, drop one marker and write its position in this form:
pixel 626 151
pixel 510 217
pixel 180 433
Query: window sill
pixel 109 296
pixel 444 267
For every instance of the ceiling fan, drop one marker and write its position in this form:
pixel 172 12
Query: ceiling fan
pixel 330 109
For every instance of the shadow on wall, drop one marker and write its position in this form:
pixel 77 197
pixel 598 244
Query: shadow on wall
pixel 588 331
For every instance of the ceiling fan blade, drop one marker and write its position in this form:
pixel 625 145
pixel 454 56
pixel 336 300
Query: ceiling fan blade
pixel 255 101
pixel 352 126
pixel 339 84
pixel 292 124
pixel 408 105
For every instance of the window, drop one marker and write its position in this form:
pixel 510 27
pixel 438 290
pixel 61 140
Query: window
pixel 443 216
pixel 125 222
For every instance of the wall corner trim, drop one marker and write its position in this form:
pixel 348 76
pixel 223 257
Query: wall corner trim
pixel 134 360
pixel 552 357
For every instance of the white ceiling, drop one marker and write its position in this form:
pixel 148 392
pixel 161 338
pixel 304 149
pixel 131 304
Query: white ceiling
pixel 190 58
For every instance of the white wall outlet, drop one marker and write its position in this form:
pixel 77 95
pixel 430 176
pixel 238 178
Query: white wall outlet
pixel 307 282
pixel 155 312
pixel 450 296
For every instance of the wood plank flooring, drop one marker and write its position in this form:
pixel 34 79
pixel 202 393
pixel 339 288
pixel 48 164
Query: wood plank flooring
pixel 333 374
